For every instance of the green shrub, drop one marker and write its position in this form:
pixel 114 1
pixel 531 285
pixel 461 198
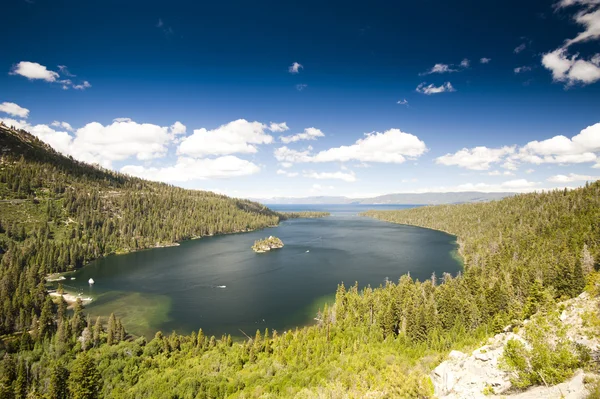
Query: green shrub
pixel 550 358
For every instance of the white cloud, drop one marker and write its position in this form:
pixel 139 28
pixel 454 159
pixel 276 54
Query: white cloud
pixel 568 3
pixel 286 173
pixel 189 169
pixel 239 136
pixel 278 127
pixel 301 86
pixel 82 86
pixel 485 60
pixel 309 133
pixel 498 173
pixel 65 71
pixel 478 158
pixel 392 146
pixel 14 110
pixel 295 68
pixel 33 70
pixel 572 177
pixel 573 69
pixel 465 63
pixel 560 149
pixel 530 171
pixel 347 177
pixel 403 102
pixel 177 128
pixel 439 68
pixel 520 48
pixel 431 89
pixel 63 125
pixel 286 164
pixel 118 141
pixel 518 185
pixel 524 68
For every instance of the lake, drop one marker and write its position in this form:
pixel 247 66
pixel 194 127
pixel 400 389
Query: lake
pixel 220 285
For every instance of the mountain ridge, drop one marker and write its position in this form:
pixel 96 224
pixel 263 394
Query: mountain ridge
pixel 443 198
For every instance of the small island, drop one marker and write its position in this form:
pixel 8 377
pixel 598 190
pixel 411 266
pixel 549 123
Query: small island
pixel 262 246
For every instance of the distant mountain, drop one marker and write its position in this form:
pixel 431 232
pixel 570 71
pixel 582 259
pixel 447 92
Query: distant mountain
pixel 396 199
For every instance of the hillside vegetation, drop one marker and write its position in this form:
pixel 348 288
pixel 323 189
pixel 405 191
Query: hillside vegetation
pixel 57 214
pixel 521 255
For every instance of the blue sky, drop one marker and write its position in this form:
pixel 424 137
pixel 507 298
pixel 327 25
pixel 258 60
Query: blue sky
pixel 271 99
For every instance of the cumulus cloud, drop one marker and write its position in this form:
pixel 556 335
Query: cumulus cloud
pixel 295 67
pixel 14 110
pixel 424 88
pixel 309 133
pixel 403 102
pixel 571 69
pixel 560 149
pixel 392 146
pixel 189 169
pixel 177 128
pixel 120 140
pixel 63 125
pixel 347 177
pixel 465 63
pixel 478 158
pixel 278 127
pixel 96 143
pixel 581 148
pixel 239 136
pixel 485 60
pixel 82 86
pixel 572 177
pixel 33 71
pixel 301 86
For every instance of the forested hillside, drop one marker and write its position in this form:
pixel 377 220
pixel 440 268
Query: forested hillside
pixel 521 255
pixel 57 214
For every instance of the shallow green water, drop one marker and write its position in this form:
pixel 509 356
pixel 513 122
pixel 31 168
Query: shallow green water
pixel 222 286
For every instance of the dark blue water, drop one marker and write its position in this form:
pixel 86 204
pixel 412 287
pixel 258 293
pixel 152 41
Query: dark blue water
pixel 222 286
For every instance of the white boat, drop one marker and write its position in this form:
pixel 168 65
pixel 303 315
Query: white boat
pixel 91 281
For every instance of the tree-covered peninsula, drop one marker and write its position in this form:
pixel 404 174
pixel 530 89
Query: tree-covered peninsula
pixel 522 255
pixel 304 215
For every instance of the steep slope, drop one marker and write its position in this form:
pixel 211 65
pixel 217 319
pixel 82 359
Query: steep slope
pixel 57 214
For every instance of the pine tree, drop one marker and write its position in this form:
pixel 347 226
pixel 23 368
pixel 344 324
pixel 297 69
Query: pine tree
pixel 58 382
pixel 21 382
pixel 111 330
pixel 97 332
pixel 84 380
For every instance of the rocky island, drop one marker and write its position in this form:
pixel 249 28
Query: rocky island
pixel 261 246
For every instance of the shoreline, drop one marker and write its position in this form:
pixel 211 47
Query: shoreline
pixel 458 241
pixel 70 299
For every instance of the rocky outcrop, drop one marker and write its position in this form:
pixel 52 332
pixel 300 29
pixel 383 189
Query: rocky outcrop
pixel 267 244
pixel 479 374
